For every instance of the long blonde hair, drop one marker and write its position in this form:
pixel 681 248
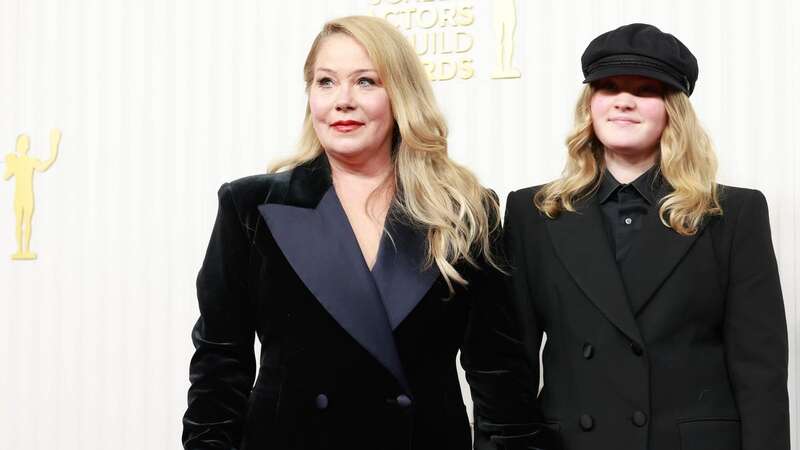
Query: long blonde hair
pixel 686 161
pixel 433 192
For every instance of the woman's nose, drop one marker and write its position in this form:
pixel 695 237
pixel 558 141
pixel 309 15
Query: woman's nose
pixel 624 101
pixel 344 99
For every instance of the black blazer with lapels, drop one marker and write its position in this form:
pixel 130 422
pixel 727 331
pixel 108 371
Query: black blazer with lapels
pixel 350 358
pixel 681 346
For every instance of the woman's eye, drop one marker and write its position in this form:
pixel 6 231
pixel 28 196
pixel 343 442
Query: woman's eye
pixel 366 82
pixel 324 82
pixel 607 86
pixel 649 90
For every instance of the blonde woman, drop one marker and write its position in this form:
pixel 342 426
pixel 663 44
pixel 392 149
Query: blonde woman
pixel 657 287
pixel 359 263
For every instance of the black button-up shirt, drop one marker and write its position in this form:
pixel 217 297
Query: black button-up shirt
pixel 625 206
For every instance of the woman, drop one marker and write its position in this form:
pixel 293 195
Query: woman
pixel 360 267
pixel 657 287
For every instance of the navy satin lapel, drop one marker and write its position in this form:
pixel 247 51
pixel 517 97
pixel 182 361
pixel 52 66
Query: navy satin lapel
pixel 322 249
pixel 653 256
pixel 399 272
pixel 581 242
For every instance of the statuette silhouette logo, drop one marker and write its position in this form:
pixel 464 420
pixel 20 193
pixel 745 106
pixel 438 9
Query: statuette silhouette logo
pixel 444 34
pixel 22 167
pixel 505 25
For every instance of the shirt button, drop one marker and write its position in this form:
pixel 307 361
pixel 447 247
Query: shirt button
pixel 586 422
pixel 628 221
pixel 639 419
pixel 403 401
pixel 321 402
pixel 588 350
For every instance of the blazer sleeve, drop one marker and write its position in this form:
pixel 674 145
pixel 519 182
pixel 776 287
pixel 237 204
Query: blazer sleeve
pixel 502 378
pixel 755 333
pixel 222 369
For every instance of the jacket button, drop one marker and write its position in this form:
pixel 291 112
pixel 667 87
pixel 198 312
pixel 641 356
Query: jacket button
pixel 636 349
pixel 403 401
pixel 321 402
pixel 588 350
pixel 586 422
pixel 639 419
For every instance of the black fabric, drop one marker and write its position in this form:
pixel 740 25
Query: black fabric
pixel 688 333
pixel 624 207
pixel 316 386
pixel 321 248
pixel 640 49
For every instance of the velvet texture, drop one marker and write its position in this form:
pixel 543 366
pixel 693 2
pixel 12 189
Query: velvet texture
pixel 350 359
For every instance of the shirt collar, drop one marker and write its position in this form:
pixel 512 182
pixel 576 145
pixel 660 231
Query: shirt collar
pixel 646 185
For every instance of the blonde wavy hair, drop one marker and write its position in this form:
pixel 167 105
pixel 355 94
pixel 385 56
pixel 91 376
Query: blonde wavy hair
pixel 432 191
pixel 686 161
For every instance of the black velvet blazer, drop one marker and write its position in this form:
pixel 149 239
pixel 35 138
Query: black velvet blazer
pixel 684 346
pixel 350 358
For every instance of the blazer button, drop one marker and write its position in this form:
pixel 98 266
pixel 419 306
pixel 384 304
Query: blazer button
pixel 403 401
pixel 639 419
pixel 636 349
pixel 588 350
pixel 321 402
pixel 586 422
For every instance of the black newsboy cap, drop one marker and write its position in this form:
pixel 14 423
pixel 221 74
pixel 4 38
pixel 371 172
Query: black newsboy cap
pixel 640 49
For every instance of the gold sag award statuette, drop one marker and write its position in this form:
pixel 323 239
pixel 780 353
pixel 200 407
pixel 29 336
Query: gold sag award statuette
pixel 505 24
pixel 22 166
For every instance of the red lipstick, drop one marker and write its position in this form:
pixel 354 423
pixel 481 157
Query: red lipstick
pixel 346 126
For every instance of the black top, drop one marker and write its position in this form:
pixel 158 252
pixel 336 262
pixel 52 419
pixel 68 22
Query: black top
pixel 625 206
pixel 349 359
pixel 688 333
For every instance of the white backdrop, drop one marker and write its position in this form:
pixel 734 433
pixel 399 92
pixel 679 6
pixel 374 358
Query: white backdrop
pixel 160 101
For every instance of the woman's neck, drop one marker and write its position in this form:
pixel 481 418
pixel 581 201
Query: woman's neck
pixel 370 173
pixel 627 168
pixel 362 167
pixel 360 180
